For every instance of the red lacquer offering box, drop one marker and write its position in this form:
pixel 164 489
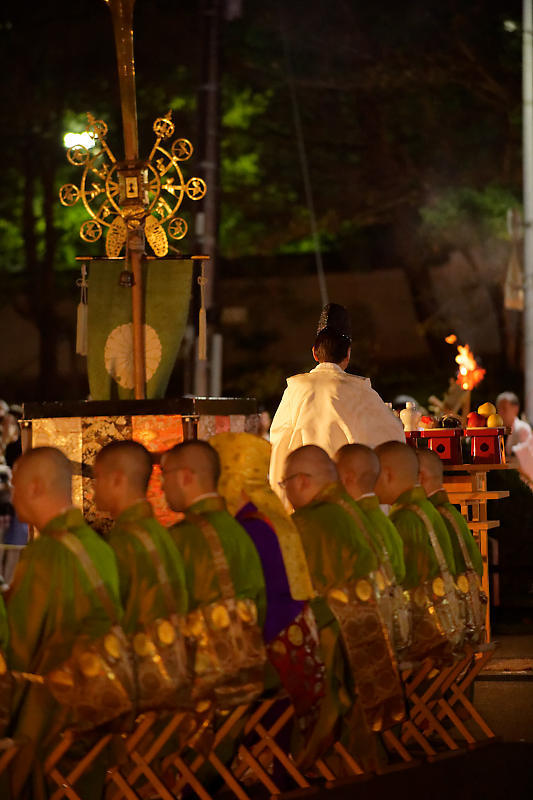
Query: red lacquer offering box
pixel 412 437
pixel 446 443
pixel 487 445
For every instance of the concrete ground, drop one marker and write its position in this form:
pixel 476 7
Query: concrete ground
pixel 504 692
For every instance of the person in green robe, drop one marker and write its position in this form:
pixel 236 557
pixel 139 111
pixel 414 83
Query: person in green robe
pixel 398 487
pixel 5 683
pixel 150 567
pixel 340 557
pixel 50 603
pixel 190 473
pixel 431 477
pixel 412 514
pixel 4 628
pixel 358 467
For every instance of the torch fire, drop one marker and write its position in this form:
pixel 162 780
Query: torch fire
pixel 470 373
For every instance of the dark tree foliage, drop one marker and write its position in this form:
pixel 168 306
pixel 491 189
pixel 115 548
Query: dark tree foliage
pixel 407 109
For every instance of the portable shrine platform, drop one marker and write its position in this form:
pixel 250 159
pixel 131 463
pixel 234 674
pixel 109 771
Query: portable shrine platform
pixel 81 429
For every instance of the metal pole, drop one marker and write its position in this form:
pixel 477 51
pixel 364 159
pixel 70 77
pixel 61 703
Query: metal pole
pixel 527 98
pixel 122 16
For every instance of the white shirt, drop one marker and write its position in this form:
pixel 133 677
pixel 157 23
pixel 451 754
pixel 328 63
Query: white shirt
pixel 520 432
pixel 329 408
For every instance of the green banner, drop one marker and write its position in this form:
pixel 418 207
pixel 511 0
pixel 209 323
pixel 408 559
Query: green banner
pixel 167 293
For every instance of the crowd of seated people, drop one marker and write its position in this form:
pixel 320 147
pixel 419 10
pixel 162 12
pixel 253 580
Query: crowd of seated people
pixel 238 601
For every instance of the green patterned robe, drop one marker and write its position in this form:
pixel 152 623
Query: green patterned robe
pixel 336 552
pixel 440 500
pixel 335 548
pixel 420 560
pixel 203 586
pixel 141 594
pixel 4 630
pixel 383 533
pixel 51 602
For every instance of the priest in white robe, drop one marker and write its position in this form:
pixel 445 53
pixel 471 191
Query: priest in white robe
pixel 327 406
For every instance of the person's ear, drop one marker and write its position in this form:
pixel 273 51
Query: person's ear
pixel 314 354
pixel 303 483
pixel 36 487
pixel 184 477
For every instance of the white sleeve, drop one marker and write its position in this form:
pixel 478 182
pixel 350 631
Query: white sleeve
pixel 280 436
pixel 524 432
pixel 382 425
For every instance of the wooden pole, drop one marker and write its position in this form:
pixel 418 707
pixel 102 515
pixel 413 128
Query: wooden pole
pixel 122 15
pixel 137 307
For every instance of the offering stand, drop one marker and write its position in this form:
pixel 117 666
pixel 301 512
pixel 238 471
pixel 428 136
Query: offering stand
pixel 466 485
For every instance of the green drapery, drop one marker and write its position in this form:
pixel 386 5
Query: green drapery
pixel 167 293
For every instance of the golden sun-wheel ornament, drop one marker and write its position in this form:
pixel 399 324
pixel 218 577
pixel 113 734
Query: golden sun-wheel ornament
pixel 124 196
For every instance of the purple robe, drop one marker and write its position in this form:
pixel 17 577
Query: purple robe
pixel 281 608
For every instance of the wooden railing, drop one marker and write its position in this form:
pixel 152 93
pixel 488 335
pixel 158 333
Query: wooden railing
pixel 163 755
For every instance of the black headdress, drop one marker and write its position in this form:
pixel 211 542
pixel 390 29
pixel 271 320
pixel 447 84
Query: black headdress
pixel 335 318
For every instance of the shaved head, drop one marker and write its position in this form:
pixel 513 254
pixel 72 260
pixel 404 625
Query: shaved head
pixel 431 470
pixel 311 458
pixel 121 473
pixel 42 485
pixel 307 471
pixel 400 457
pixel 199 456
pixel 358 467
pixel 130 458
pixel 49 464
pixel 399 470
pixel 190 469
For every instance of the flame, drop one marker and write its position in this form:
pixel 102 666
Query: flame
pixel 451 339
pixel 470 373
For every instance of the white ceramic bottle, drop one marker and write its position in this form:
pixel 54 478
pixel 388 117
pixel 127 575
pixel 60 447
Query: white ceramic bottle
pixel 410 417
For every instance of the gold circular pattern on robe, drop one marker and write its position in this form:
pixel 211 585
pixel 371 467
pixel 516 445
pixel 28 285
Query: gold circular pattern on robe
pixel 166 632
pixel 220 617
pixel 462 583
pixel 61 678
pixel 195 625
pixel 278 647
pixel 245 611
pixel 338 595
pixel 295 635
pixel 112 645
pixel 377 725
pixel 3 665
pixel 420 597
pixel 380 581
pixel 438 587
pixel 142 644
pixel 90 664
pixel 363 590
